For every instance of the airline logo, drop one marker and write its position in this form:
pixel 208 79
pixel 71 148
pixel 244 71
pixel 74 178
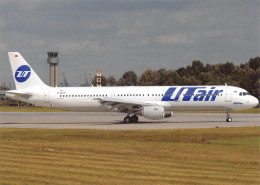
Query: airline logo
pixel 191 93
pixel 22 73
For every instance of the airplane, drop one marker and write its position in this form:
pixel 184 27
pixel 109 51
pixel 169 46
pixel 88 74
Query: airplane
pixel 152 102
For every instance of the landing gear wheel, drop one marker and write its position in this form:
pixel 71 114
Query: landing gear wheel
pixel 134 119
pixel 127 119
pixel 229 120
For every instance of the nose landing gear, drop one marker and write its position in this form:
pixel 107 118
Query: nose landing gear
pixel 132 119
pixel 228 119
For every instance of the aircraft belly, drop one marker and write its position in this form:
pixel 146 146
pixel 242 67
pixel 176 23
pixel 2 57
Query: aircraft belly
pixel 196 106
pixel 82 106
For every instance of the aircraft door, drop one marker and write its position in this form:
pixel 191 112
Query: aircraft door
pixel 47 96
pixel 228 95
pixel 113 94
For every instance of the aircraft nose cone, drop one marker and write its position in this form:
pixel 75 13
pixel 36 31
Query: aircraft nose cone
pixel 255 102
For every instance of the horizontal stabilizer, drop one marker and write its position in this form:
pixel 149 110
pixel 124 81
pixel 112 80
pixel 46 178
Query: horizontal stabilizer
pixel 18 93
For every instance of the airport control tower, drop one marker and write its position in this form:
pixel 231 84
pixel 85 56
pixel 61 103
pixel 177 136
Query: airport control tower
pixel 53 60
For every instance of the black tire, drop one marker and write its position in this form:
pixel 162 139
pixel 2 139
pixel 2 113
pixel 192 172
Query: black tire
pixel 134 119
pixel 127 119
pixel 229 120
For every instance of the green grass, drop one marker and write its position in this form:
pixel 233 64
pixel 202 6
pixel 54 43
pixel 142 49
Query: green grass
pixel 253 110
pixel 28 109
pixel 190 156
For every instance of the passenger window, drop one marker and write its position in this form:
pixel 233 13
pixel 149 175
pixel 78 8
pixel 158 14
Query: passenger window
pixel 244 93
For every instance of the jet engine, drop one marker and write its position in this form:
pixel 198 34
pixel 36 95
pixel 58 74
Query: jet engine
pixel 168 114
pixel 155 112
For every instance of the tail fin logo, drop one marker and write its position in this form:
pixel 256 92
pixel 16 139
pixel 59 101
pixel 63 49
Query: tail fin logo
pixel 22 73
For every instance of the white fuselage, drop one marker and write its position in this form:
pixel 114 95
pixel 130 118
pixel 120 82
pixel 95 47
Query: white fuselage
pixel 152 102
pixel 172 98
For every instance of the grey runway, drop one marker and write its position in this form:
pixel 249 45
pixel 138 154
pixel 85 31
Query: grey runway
pixel 113 121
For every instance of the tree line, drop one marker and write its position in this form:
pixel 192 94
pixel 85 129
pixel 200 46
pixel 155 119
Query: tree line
pixel 246 76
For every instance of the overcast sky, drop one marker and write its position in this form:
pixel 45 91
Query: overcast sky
pixel 118 36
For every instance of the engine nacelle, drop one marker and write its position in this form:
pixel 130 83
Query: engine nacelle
pixel 168 114
pixel 154 112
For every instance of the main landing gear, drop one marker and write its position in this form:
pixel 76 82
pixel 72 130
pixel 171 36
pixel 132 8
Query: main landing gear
pixel 228 119
pixel 131 119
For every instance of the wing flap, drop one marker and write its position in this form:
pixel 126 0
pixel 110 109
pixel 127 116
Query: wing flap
pixel 121 105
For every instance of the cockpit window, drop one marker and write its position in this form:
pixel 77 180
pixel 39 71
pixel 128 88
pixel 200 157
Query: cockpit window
pixel 244 93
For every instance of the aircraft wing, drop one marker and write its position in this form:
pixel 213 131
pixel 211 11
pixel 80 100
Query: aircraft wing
pixel 120 105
